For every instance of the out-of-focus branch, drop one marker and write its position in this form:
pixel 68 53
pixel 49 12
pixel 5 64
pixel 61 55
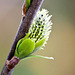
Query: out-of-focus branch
pixel 24 27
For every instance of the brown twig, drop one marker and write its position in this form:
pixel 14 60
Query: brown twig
pixel 24 27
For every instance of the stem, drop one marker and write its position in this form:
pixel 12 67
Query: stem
pixel 24 27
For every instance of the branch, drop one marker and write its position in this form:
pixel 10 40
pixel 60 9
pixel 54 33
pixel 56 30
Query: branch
pixel 24 27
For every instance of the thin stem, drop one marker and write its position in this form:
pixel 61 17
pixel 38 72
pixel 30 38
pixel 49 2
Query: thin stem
pixel 24 27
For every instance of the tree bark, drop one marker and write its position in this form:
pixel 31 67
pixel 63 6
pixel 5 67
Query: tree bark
pixel 23 29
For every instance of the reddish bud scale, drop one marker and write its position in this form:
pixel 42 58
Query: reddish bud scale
pixel 12 63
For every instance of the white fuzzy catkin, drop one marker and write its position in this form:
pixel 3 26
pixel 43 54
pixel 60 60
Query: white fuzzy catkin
pixel 41 26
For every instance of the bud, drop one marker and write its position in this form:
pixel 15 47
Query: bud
pixel 37 36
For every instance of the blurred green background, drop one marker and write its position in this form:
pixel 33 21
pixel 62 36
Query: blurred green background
pixel 61 44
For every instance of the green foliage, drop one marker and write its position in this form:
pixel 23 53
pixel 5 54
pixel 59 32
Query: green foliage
pixel 24 48
pixel 33 56
pixel 39 44
pixel 28 4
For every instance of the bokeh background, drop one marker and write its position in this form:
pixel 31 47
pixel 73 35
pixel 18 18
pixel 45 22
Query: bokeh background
pixel 61 44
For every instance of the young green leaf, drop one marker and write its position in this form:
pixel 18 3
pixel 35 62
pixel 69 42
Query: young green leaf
pixel 33 56
pixel 28 4
pixel 39 44
pixel 24 48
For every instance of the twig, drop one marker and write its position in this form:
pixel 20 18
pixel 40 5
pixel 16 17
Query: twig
pixel 24 27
